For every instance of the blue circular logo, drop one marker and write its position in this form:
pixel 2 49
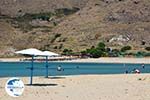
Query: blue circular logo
pixel 14 87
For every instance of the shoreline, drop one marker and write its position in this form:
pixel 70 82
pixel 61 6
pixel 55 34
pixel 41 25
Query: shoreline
pixel 112 60
pixel 91 60
pixel 81 75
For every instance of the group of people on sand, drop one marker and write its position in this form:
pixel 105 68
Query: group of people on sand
pixel 135 70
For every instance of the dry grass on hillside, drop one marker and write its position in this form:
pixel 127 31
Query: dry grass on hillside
pixel 116 22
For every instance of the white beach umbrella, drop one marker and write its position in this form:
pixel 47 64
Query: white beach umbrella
pixel 30 51
pixel 48 54
pixel 33 52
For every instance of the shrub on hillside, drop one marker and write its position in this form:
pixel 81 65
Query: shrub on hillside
pixel 147 48
pixel 101 46
pixel 67 52
pixel 125 48
pixel 96 52
pixel 66 11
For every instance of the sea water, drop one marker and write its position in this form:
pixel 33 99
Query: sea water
pixel 16 69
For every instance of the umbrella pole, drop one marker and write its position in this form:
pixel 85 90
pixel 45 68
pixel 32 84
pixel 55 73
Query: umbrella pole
pixel 31 70
pixel 46 67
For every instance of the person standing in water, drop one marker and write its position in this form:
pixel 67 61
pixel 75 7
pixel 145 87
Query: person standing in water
pixel 126 72
pixel 125 68
pixel 143 66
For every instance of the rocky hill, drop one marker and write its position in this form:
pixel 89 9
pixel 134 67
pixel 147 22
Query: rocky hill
pixel 20 7
pixel 74 24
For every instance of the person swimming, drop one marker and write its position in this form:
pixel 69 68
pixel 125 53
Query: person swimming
pixel 59 68
pixel 77 67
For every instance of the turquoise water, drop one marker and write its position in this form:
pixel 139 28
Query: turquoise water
pixel 13 69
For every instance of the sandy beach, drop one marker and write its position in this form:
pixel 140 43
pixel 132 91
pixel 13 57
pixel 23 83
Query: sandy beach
pixel 113 60
pixel 84 87
pixel 93 60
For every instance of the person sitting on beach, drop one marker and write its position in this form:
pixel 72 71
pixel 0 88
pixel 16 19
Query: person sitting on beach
pixel 137 71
